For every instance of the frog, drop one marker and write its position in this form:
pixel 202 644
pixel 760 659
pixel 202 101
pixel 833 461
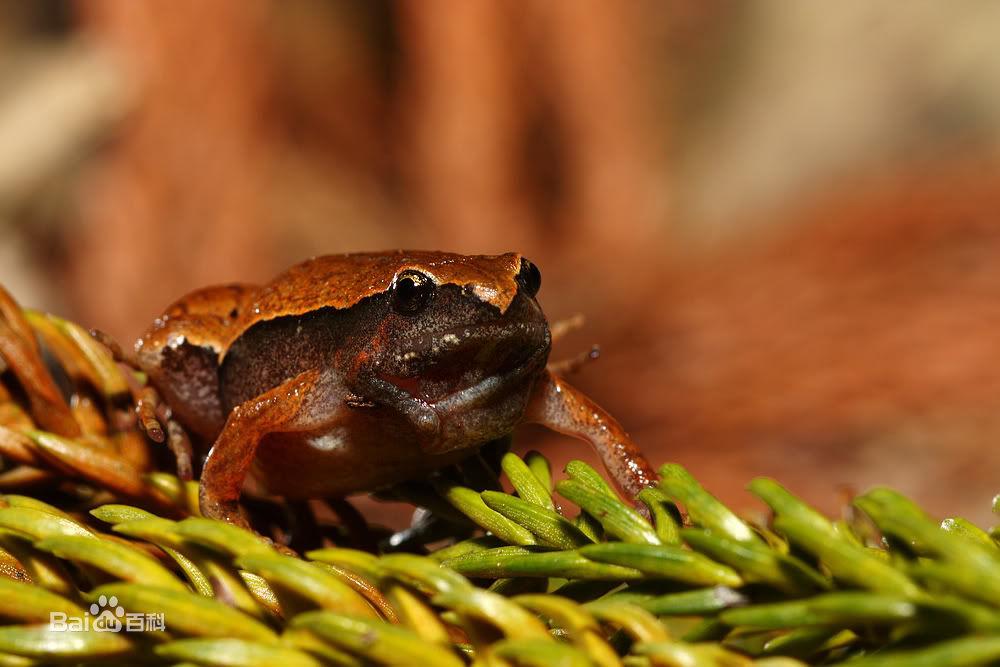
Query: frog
pixel 350 373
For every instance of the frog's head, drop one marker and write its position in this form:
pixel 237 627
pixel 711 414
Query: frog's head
pixel 464 336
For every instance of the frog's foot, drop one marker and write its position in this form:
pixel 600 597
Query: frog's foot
pixel 145 397
pixel 231 512
pixel 152 413
pixel 223 509
pixel 146 406
pixel 180 445
pixel 573 364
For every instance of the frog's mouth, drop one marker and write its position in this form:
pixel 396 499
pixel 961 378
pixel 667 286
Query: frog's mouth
pixel 508 376
pixel 470 366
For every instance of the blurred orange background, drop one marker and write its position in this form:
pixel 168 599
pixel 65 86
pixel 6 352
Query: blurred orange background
pixel 780 220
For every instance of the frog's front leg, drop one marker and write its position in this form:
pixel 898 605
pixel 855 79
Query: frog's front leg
pixel 561 407
pixel 229 460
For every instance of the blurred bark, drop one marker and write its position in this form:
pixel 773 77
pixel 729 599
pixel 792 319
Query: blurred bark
pixel 465 113
pixel 495 89
pixel 594 72
pixel 180 194
pixel 856 345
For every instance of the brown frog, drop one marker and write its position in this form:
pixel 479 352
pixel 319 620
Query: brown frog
pixel 352 372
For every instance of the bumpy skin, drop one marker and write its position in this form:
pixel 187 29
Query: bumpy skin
pixel 321 384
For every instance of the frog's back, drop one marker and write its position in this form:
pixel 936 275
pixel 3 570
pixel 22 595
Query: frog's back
pixel 341 281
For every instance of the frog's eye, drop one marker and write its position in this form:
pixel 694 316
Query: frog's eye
pixel 411 292
pixel 529 278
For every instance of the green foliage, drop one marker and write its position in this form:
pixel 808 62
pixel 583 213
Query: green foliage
pixel 539 589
